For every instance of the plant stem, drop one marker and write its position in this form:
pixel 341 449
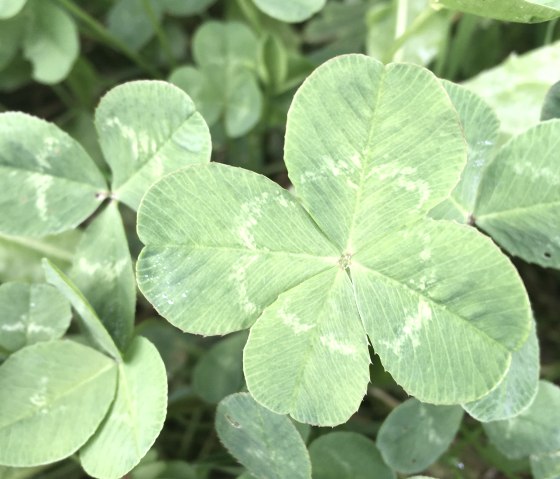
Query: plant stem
pixel 400 27
pixel 549 36
pixel 106 37
pixel 385 398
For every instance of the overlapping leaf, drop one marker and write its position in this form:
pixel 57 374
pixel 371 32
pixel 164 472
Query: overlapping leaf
pixel 414 435
pixel 219 372
pixel 224 84
pixel 347 455
pixel 48 183
pixel 148 129
pixel 30 314
pixel 290 10
pixel 9 8
pixel 91 324
pixel 267 444
pixel 546 466
pixel 534 431
pixel 519 198
pixel 481 128
pixel 525 11
pixel 51 42
pixel 103 272
pixel 517 88
pixel 46 391
pixel 135 418
pixel 370 150
pixel 517 390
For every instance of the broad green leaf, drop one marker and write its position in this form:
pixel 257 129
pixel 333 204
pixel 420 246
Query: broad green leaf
pixel 102 271
pixel 219 372
pixel 135 418
pixel 91 323
pixel 481 128
pixel 148 129
pixel 30 313
pixel 227 56
pixel 186 7
pixel 524 11
pixel 517 390
pixel 132 23
pixel 291 11
pixel 369 153
pixel 20 257
pixel 11 31
pixel 225 46
pixel 10 8
pixel 444 320
pixel 313 340
pixel 551 106
pixel 415 435
pixel 48 183
pixel 51 42
pixel 54 395
pixel 519 197
pixel 206 95
pixel 516 89
pixel 535 431
pixel 213 263
pixel 347 455
pixel 351 144
pixel 267 444
pixel 546 466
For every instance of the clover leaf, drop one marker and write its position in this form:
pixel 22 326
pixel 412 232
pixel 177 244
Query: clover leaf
pixel 370 149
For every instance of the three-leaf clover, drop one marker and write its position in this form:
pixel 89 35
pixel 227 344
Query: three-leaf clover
pixel 370 150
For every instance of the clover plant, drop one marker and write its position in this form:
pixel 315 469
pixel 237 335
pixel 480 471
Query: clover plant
pixel 386 257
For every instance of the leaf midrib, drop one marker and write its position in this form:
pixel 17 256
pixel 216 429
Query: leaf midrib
pixel 367 151
pixel 58 177
pixel 149 160
pixel 434 302
pixel 34 410
pixel 518 210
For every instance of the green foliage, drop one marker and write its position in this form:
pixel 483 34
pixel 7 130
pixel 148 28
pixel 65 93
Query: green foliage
pixel 534 431
pixel 516 89
pixel 347 455
pixel 526 11
pixel 48 183
pixel 45 391
pixel 290 10
pixel 267 444
pixel 102 271
pixel 46 34
pixel 225 82
pixel 31 313
pixel 135 418
pixel 551 105
pixel 518 202
pixel 361 245
pixel 219 372
pixel 414 435
pixel 144 140
pixel 341 175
